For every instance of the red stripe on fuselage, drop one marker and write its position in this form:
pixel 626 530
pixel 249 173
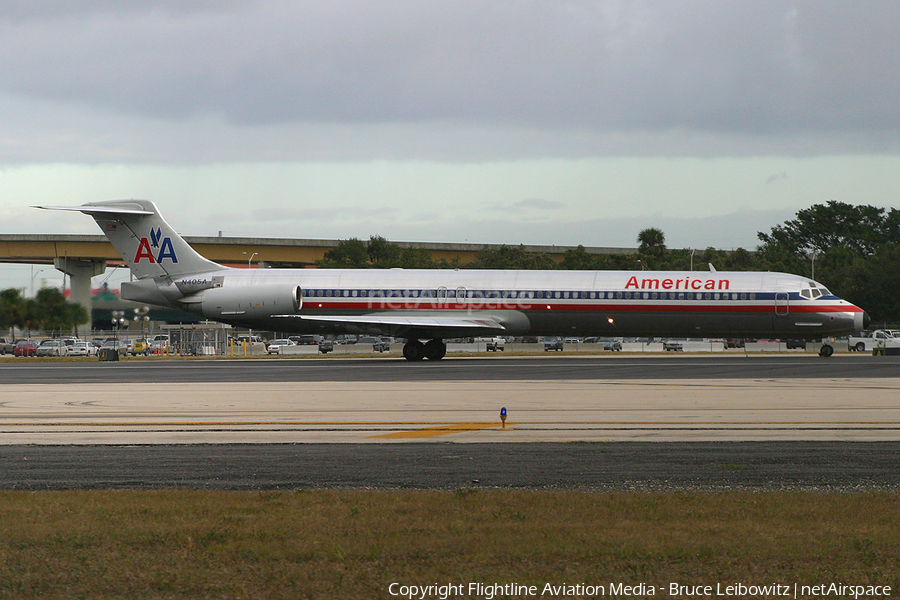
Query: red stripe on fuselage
pixel 402 304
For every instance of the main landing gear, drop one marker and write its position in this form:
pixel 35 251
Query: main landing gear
pixel 414 350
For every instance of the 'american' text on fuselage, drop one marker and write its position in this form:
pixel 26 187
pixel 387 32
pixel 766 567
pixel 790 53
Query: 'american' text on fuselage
pixel 677 284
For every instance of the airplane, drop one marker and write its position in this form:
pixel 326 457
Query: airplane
pixel 427 306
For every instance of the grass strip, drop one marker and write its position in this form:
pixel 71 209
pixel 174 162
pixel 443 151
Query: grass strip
pixel 354 544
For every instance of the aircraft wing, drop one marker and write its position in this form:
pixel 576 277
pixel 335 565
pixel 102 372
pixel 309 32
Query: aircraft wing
pixel 408 326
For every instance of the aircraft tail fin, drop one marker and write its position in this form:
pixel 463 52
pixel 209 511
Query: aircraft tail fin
pixel 147 243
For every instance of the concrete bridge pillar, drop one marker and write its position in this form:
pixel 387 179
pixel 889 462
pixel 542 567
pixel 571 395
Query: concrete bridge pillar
pixel 80 273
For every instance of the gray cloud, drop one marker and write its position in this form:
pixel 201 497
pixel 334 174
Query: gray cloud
pixel 530 205
pixel 749 67
pixel 540 204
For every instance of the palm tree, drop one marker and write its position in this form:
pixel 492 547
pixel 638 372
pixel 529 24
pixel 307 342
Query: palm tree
pixel 652 242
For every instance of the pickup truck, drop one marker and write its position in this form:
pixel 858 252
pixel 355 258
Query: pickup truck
pixel 872 340
pixel 492 344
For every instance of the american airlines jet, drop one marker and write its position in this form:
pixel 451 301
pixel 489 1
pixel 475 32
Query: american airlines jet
pixel 427 306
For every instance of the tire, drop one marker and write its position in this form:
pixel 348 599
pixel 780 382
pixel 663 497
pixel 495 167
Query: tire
pixel 414 351
pixel 861 347
pixel 435 350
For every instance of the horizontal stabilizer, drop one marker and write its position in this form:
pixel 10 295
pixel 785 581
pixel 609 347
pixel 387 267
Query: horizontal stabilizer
pixel 100 210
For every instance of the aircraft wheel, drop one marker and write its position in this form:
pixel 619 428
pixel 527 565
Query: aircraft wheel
pixel 826 351
pixel 435 350
pixel 414 351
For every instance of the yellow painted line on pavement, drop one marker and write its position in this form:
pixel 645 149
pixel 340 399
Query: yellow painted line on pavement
pixel 439 428
pixel 203 423
pixel 436 431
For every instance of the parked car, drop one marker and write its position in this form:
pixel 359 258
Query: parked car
pixel 128 343
pixel 326 346
pixel 54 347
pixel 250 340
pixel 159 344
pixel 119 346
pixel 26 348
pixel 378 344
pixel 305 340
pixel 555 344
pixel 673 345
pixel 274 346
pixel 82 349
pixel 610 344
pixel 140 347
pixel 7 346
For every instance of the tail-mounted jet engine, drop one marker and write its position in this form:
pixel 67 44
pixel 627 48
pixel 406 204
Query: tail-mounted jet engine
pixel 242 302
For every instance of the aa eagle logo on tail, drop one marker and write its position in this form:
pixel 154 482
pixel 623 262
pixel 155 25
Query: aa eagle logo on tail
pixel 163 245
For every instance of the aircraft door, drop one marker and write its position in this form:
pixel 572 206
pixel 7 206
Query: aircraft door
pixel 782 307
pixel 460 295
pixel 442 295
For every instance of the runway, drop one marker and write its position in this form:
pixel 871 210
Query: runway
pixel 287 422
pixel 495 368
pixel 591 399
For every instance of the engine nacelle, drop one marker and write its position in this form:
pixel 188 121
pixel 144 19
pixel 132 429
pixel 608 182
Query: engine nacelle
pixel 246 302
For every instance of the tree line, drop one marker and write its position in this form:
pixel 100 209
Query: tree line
pixel 852 250
pixel 47 311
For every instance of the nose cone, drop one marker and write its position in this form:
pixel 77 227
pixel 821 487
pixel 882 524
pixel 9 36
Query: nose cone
pixel 861 321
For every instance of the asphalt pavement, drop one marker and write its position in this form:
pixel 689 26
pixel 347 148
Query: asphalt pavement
pixel 618 466
pixel 437 462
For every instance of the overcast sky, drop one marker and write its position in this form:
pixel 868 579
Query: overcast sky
pixel 536 122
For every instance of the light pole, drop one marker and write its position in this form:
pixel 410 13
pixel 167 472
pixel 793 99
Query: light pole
pixel 140 316
pixel 812 254
pixel 118 320
pixel 33 275
pixel 250 260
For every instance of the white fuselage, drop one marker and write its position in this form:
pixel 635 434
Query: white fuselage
pixel 623 303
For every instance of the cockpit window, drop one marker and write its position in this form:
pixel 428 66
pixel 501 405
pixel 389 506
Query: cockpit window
pixel 816 289
pixel 806 294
